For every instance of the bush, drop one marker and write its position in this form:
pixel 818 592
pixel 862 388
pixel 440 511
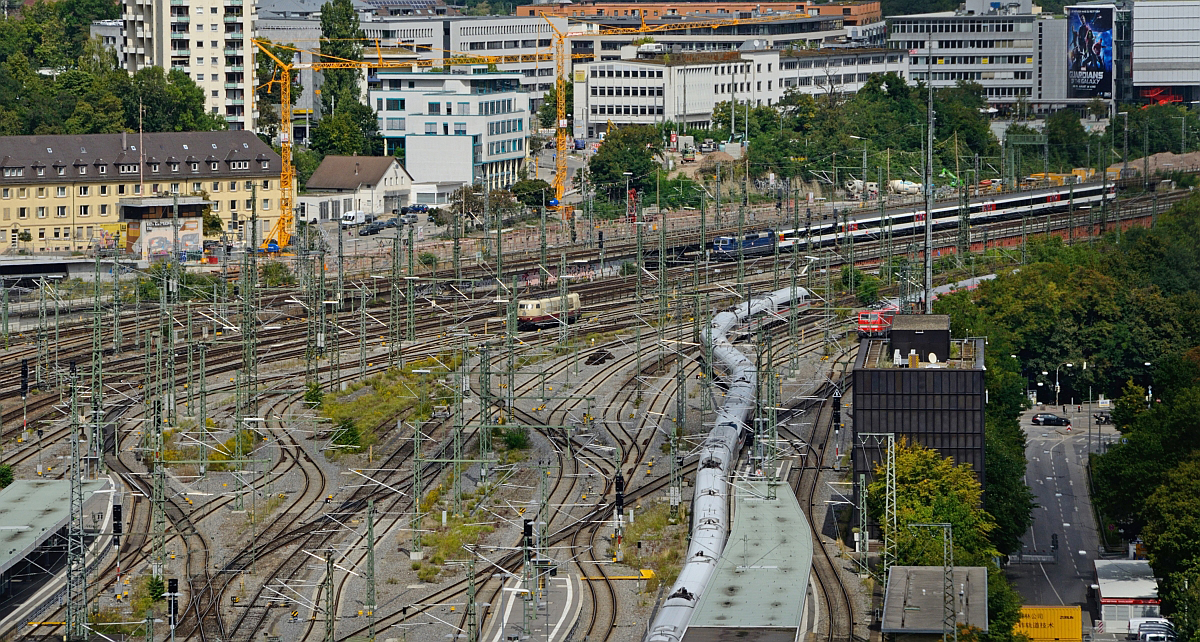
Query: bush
pixel 6 475
pixel 348 435
pixel 275 274
pixel 516 438
pixel 314 395
pixel 156 588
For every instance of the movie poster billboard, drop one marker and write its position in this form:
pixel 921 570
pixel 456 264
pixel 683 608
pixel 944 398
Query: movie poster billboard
pixel 1089 52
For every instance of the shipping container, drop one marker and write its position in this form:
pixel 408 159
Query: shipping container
pixel 1045 623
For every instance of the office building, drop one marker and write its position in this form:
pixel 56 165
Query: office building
pixel 1166 60
pixel 861 13
pixel 455 127
pixel 651 88
pixel 207 39
pixel 63 189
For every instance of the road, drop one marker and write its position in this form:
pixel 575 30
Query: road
pixel 1056 474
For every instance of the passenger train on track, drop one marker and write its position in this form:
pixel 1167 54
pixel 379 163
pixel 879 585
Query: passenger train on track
pixel 910 221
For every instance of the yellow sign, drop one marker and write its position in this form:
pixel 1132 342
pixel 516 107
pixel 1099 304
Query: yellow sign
pixel 581 75
pixel 1039 623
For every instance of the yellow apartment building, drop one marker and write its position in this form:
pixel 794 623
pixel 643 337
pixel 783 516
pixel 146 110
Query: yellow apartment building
pixel 62 189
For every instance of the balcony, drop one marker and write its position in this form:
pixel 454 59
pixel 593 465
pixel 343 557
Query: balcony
pixel 236 68
pixel 179 36
pixel 233 18
pixel 232 52
pixel 179 67
pixel 181 19
pixel 180 52
pixel 233 85
pixel 233 3
pixel 235 101
pixel 235 35
pixel 179 3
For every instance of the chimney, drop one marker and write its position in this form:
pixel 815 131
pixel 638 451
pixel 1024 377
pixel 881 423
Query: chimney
pixel 125 141
pixel 356 169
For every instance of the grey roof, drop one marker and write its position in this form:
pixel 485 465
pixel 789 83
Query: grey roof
pixel 111 150
pixel 921 322
pixel 913 601
pixel 1127 579
pixel 351 172
pixel 31 510
pixel 298 8
pixel 759 584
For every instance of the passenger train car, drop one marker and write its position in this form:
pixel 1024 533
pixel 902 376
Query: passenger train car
pixel 910 221
pixel 545 310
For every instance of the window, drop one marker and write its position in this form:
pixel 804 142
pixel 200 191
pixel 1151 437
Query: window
pixel 61 212
pixel 41 212
pixel 266 184
pixel 6 193
pixel 82 170
pixel 22 212
pixel 464 109
pixel 41 171
pixel 174 188
pixel 265 164
pixel 104 190
pixel 435 109
pixel 127 169
pixel 104 210
pixel 83 190
pixel 13 172
pixel 154 167
pixel 395 124
pixel 216 186
pixel 233 204
pixel 395 104
pixel 233 186
pixel 41 233
pixel 174 167
pixel 84 210
pixel 62 171
pixel 103 169
pixel 62 191
pixel 430 129
pixel 249 204
pixel 196 187
pixel 460 129
pixel 239 165
pixel 266 203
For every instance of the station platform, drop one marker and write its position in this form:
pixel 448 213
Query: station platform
pixel 553 611
pixel 756 593
pixel 34 516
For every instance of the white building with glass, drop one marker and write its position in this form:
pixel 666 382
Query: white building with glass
pixel 455 127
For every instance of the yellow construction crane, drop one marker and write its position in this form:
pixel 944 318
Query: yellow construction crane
pixel 281 231
pixel 560 58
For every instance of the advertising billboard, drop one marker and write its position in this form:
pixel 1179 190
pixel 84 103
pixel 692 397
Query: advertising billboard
pixel 1089 52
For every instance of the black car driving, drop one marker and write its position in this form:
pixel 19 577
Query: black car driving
pixel 1050 419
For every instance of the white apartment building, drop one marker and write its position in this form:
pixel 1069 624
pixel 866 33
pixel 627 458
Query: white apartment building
pixel 685 87
pixel 455 127
pixel 207 39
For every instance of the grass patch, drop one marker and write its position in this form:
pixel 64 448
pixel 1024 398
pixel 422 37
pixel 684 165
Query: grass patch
pixel 663 544
pixel 393 392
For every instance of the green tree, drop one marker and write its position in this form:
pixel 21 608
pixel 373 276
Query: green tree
pixel 338 135
pixel 156 588
pixel 341 39
pixel 1067 140
pixel 932 489
pixel 165 102
pixel 547 113
pixel 628 149
pixel 306 161
pixel 6 475
pixel 530 192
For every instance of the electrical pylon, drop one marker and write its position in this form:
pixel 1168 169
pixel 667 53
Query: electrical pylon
pixel 76 551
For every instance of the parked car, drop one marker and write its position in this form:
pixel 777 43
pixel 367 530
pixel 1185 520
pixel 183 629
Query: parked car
pixel 408 219
pixel 1050 419
pixel 393 222
pixel 432 218
pixel 371 229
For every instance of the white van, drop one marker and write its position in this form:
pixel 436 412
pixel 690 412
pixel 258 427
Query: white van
pixel 1136 623
pixel 356 217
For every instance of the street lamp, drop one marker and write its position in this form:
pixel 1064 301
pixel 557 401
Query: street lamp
pixel 1056 386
